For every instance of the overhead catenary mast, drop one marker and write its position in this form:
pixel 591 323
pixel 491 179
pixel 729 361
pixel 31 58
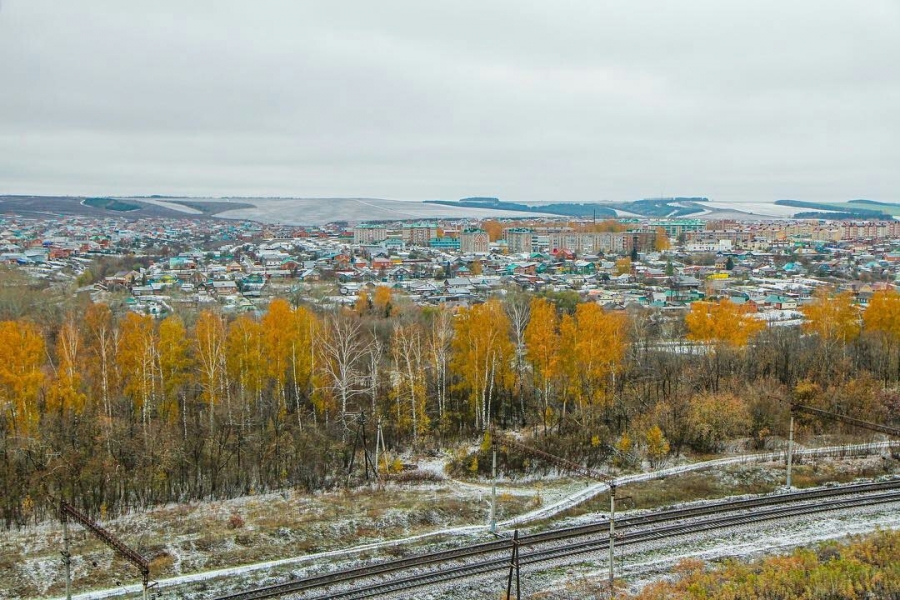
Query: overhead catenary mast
pixel 66 512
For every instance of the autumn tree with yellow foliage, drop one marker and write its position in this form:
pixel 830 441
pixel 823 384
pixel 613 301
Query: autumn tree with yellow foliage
pixel 593 345
pixel 175 365
pixel 245 363
pixel 209 340
pixel 138 359
pixel 623 265
pixel 21 358
pixel 306 329
pixel 382 300
pixel 493 228
pixel 722 323
pixel 121 410
pixel 279 346
pixel 482 356
pixel 882 315
pixel 542 347
pixel 832 316
pixel 65 394
pixel 881 320
pixel 661 242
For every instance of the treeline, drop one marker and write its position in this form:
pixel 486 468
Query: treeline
pixel 859 213
pixel 114 411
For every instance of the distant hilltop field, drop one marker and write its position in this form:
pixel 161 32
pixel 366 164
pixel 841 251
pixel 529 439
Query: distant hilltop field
pixel 317 211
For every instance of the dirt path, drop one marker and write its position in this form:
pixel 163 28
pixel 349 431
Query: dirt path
pixel 542 513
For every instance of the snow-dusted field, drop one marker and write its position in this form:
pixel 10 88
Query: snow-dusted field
pixel 761 208
pixel 317 211
pixel 551 500
pixel 637 565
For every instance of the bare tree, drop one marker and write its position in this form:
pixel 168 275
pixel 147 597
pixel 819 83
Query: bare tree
pixel 375 353
pixel 518 309
pixel 439 348
pixel 342 347
pixel 409 377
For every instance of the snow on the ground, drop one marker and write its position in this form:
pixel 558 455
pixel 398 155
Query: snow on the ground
pixel 544 512
pixel 644 563
pixel 589 492
pixel 582 575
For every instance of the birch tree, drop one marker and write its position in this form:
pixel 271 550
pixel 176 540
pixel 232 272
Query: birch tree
pixel 342 347
pixel 482 356
pixel 408 379
pixel 439 350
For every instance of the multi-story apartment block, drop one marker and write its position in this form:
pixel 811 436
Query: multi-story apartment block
pixel 870 230
pixel 369 234
pixel 519 240
pixel 445 243
pixel 591 243
pixel 419 234
pixel 474 241
pixel 675 227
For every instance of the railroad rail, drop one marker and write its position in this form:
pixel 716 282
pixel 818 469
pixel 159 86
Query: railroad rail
pixel 379 589
pixel 493 556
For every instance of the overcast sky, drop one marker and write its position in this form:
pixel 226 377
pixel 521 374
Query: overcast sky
pixel 558 100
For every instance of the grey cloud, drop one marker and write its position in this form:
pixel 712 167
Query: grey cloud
pixel 575 99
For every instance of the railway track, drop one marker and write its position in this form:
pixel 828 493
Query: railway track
pixel 468 561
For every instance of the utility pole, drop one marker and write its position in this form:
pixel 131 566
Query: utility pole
pixel 493 483
pixel 577 468
pixel 612 537
pixel 68 511
pixel 67 556
pixel 377 442
pixel 514 565
pixel 790 456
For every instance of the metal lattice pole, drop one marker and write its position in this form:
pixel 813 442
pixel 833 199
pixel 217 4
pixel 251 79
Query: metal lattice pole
pixel 790 456
pixel 494 484
pixel 67 556
pixel 612 538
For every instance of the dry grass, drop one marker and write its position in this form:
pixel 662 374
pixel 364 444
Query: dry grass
pixel 202 536
pixel 734 481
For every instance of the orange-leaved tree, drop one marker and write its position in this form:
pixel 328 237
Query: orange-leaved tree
pixel 137 360
pixel 493 228
pixel 832 316
pixel 21 358
pixel 381 300
pixel 482 355
pixel 594 345
pixel 306 328
pixel 65 393
pixel 722 322
pixel 542 347
pixel 661 243
pixel 881 320
pixel 174 368
pixel 883 314
pixel 209 339
pixel 278 338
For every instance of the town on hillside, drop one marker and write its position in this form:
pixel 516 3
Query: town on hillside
pixel 156 266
